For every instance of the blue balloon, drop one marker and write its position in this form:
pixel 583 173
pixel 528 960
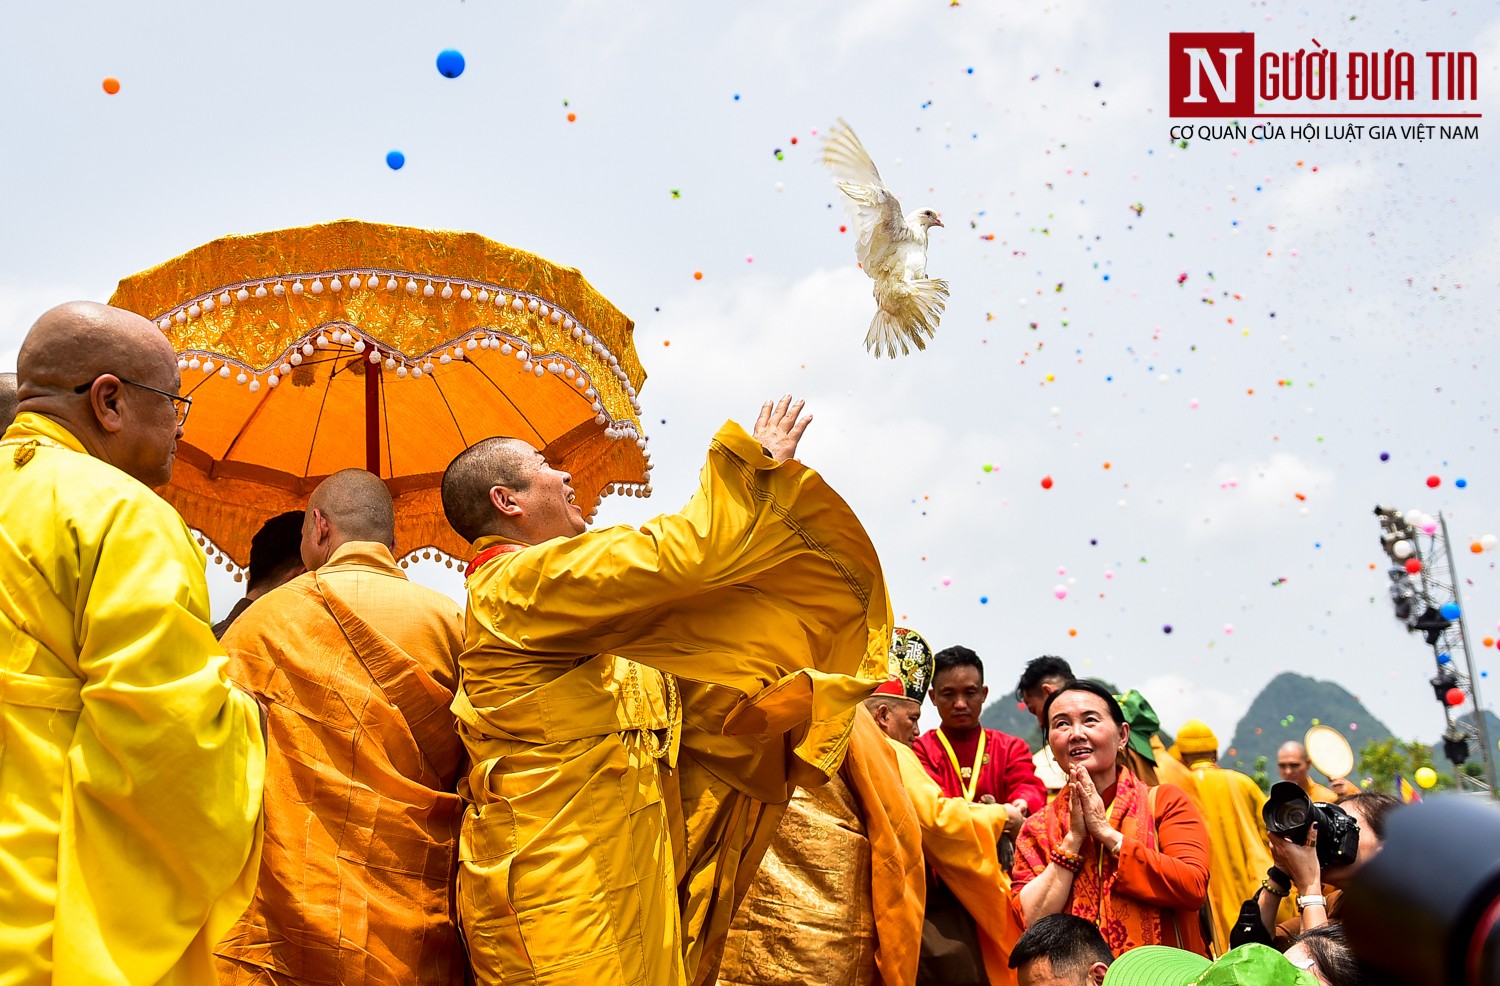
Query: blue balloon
pixel 450 62
pixel 1445 658
pixel 1460 483
pixel 395 160
pixel 1449 611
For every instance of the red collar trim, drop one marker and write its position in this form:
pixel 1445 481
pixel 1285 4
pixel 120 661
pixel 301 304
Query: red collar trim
pixel 487 554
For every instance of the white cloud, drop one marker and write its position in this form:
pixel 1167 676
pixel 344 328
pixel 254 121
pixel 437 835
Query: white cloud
pixel 1177 698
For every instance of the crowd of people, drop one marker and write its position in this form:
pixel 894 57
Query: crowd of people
pixel 681 753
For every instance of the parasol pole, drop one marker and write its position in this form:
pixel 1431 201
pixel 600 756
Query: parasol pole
pixel 372 418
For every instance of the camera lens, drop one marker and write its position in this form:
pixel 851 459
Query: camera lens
pixel 1290 815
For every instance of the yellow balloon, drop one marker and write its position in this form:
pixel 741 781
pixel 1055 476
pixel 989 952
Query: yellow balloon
pixel 1426 777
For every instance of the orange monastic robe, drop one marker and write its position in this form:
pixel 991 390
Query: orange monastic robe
pixel 361 811
pixel 959 843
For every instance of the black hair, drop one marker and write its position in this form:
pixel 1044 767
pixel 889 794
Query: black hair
pixel 957 656
pixel 1039 670
pixel 1093 688
pixel 1331 951
pixel 1373 808
pixel 275 548
pixel 1069 943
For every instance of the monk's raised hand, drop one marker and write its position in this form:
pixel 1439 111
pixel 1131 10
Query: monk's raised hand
pixel 778 428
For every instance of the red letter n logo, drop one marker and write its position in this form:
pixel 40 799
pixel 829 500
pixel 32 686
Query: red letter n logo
pixel 1211 74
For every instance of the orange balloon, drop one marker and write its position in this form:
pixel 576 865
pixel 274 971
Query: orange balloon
pixel 1476 547
pixel 1488 641
pixel 697 275
pixel 111 85
pixel 572 117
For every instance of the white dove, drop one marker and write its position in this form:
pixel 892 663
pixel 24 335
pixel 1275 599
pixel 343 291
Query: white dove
pixel 892 249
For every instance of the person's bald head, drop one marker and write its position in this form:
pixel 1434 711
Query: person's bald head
pixel 1292 761
pixel 7 400
pixel 118 359
pixel 505 486
pixel 350 505
pixel 896 715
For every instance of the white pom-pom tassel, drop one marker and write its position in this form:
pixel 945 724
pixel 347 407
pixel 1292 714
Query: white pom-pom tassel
pixel 465 294
pixel 243 294
pixel 335 285
pixel 447 293
pixel 518 305
pixel 317 286
pixel 164 324
pixel 322 342
pixel 208 304
pixel 254 386
pixel 180 318
pixel 260 291
pixel 208 366
pixel 359 345
pixel 241 378
pixel 390 285
pixel 401 372
pixel 445 359
pixel 224 372
pixel 297 287
pixel 472 344
pixel 182 364
pixel 374 356
pixel 279 289
pixel 483 296
pixel 296 359
pixel 307 349
pixel 427 291
pixel 354 282
pixel 390 362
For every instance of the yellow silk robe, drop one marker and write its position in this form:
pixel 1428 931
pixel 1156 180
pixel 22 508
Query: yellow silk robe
pixel 362 814
pixel 130 768
pixel 587 856
pixel 1231 804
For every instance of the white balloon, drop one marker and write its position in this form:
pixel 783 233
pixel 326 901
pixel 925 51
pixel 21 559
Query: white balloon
pixel 1401 549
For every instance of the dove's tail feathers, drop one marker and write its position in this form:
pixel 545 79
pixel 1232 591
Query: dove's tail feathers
pixel 909 313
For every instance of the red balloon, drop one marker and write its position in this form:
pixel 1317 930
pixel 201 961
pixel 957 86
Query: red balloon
pixel 1455 696
pixel 1413 566
pixel 1433 482
pixel 1046 482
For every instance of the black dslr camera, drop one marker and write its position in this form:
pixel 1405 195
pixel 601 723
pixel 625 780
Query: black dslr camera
pixel 1290 813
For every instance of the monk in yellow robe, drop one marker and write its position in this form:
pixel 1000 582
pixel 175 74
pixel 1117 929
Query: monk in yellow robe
pixel 362 812
pixel 131 768
pixel 1231 803
pixel 618 814
pixel 1296 766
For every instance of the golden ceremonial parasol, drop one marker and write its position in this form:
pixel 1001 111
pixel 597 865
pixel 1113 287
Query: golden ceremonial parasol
pixel 386 348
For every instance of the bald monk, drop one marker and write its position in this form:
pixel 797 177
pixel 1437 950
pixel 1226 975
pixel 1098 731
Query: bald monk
pixel 7 400
pixel 132 768
pixel 618 812
pixel 1296 766
pixel 363 760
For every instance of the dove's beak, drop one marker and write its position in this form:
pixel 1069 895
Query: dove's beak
pixel 938 221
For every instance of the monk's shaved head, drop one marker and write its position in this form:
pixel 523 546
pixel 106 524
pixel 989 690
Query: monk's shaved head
pixel 7 400
pixel 508 462
pixel 77 341
pixel 93 369
pixel 350 505
pixel 358 505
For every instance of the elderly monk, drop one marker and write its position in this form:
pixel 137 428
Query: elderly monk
pixel 586 855
pixel 362 763
pixel 7 400
pixel 1231 804
pixel 131 767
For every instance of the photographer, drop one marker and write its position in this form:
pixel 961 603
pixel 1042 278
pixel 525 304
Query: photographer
pixel 1297 868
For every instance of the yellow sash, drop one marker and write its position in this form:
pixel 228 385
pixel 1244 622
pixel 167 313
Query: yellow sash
pixel 973 784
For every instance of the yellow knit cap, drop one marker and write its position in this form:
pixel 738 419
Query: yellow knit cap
pixel 1196 737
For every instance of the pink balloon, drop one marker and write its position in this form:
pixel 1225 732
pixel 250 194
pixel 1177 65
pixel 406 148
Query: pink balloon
pixel 1060 591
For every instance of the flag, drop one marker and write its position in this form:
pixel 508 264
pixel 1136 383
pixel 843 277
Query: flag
pixel 1407 790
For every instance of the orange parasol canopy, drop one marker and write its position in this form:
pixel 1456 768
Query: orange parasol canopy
pixel 351 344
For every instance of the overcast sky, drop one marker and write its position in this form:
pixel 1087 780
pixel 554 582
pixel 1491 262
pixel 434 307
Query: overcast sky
pixel 1207 349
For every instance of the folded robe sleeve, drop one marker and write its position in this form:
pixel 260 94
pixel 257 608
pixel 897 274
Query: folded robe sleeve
pixel 1176 876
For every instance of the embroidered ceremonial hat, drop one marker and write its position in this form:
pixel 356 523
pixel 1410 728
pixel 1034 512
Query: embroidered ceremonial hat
pixel 910 661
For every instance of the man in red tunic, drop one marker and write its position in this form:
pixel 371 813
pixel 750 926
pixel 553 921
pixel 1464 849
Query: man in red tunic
pixel 967 760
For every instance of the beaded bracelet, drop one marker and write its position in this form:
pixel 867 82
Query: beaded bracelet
pixel 1072 862
pixel 1273 890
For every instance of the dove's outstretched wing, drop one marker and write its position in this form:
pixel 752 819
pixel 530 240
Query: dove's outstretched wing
pixel 874 211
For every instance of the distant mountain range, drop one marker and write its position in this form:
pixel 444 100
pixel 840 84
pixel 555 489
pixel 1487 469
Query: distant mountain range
pixel 1285 709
